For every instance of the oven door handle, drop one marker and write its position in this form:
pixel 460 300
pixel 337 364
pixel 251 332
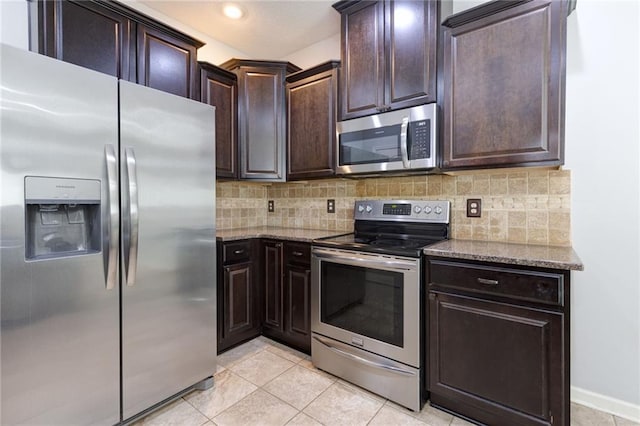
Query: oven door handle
pixel 351 259
pixel 364 360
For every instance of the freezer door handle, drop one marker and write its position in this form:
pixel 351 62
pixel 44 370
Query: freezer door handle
pixel 112 230
pixel 131 256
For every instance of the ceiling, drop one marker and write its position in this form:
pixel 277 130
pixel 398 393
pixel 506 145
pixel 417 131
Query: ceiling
pixel 268 29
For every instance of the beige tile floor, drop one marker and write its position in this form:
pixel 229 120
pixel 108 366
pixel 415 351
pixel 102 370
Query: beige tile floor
pixel 265 383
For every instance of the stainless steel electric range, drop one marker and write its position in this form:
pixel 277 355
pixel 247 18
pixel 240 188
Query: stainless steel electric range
pixel 367 313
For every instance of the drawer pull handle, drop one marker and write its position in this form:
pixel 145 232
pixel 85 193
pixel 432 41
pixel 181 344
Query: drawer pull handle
pixel 296 253
pixel 487 282
pixel 238 252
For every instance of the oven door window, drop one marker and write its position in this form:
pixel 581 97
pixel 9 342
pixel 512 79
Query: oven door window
pixel 365 301
pixel 378 145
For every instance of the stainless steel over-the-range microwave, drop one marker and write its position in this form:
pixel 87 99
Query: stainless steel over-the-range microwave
pixel 399 140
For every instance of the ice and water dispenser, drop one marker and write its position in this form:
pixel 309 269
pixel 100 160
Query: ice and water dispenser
pixel 62 217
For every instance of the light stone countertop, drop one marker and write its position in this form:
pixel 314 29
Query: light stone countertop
pixel 516 254
pixel 292 234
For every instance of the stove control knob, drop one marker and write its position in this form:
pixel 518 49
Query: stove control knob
pixel 438 209
pixel 417 209
pixel 360 208
pixel 427 209
pixel 368 208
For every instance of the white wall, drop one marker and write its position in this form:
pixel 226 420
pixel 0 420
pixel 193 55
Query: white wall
pixel 214 51
pixel 602 152
pixel 14 23
pixel 317 53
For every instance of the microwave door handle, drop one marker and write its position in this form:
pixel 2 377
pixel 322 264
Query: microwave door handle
pixel 403 142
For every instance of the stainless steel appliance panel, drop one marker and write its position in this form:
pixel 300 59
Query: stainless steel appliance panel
pixel 167 168
pixel 402 118
pixel 409 268
pixel 59 355
pixel 393 380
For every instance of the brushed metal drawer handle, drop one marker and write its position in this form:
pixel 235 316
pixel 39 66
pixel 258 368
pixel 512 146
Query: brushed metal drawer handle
pixel 296 253
pixel 487 282
pixel 238 252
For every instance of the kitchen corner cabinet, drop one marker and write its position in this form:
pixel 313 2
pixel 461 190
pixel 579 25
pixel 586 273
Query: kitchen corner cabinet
pixel 389 54
pixel 311 121
pixel 238 294
pixel 287 291
pixel 261 117
pixel 504 85
pixel 219 88
pixel 499 342
pixel 109 37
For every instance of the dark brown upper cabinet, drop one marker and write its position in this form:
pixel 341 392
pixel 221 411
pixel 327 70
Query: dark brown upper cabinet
pixel 311 120
pixel 219 88
pixel 167 63
pixel 389 54
pixel 504 85
pixel 109 37
pixel 261 117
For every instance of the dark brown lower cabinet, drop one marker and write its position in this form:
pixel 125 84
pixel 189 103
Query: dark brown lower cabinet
pixel 499 343
pixel 272 268
pixel 238 295
pixel 287 287
pixel 297 296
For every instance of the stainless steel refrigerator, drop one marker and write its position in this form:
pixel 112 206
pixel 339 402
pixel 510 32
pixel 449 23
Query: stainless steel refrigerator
pixel 107 244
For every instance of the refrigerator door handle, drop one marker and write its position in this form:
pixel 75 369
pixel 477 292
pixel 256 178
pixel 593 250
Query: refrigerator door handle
pixel 132 197
pixel 112 230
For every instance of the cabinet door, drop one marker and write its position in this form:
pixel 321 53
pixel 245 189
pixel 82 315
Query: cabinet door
pixel 311 117
pixel 362 76
pixel 220 89
pixel 411 47
pixel 239 321
pixel 496 363
pixel 273 285
pixel 166 63
pixel 504 87
pixel 262 122
pixel 297 306
pixel 86 34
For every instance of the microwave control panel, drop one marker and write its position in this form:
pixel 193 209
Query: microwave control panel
pixel 420 138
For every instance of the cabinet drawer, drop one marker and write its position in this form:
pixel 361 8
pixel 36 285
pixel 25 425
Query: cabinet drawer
pixel 297 253
pixel 236 251
pixel 540 287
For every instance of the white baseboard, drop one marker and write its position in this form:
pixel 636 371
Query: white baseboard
pixel 605 403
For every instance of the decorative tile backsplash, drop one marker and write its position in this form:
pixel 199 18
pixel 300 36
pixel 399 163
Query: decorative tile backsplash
pixel 531 206
pixel 240 204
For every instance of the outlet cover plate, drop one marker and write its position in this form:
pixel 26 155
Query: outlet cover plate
pixel 271 206
pixel 474 207
pixel 331 206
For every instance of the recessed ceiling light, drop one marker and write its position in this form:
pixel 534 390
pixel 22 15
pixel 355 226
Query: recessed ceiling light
pixel 232 11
